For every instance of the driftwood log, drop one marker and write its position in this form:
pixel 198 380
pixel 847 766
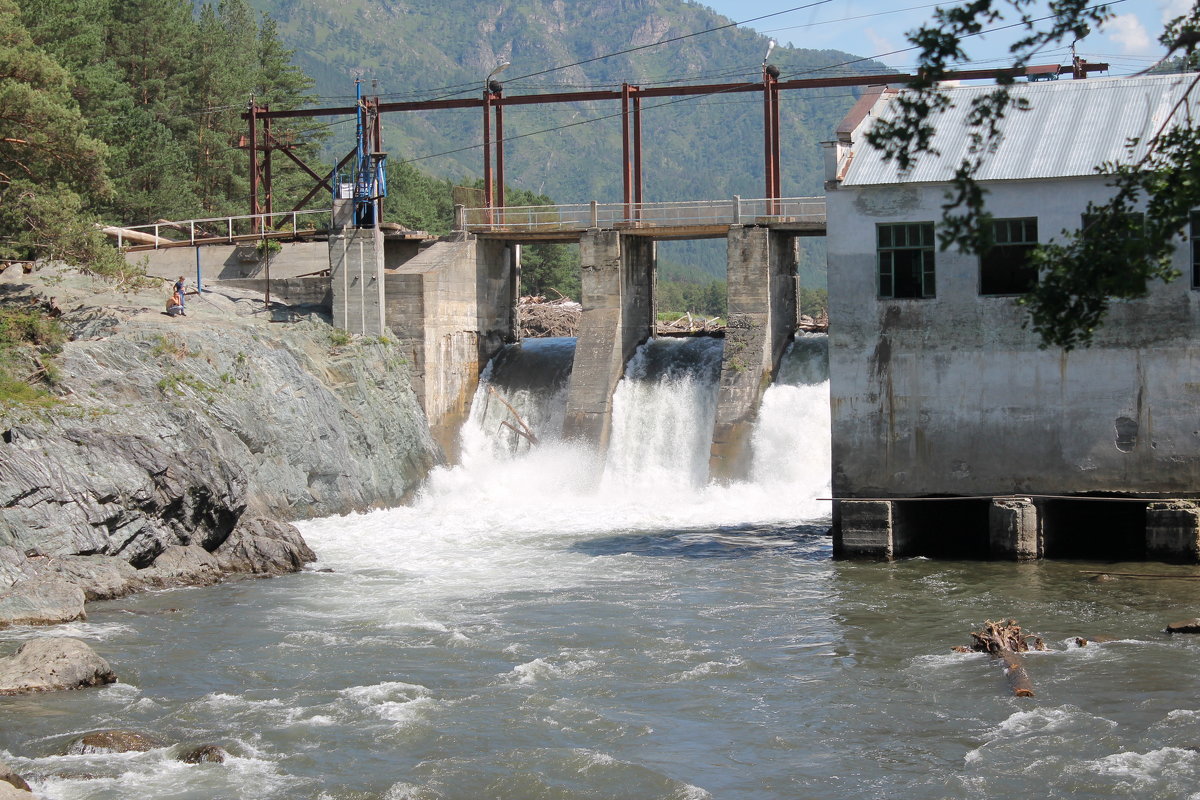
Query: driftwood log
pixel 131 236
pixel 1006 641
pixel 521 428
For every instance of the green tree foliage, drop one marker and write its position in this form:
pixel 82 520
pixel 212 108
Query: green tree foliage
pixel 164 88
pixel 1116 256
pixel 704 299
pixel 49 166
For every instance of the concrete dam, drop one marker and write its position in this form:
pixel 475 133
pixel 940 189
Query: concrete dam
pixel 452 304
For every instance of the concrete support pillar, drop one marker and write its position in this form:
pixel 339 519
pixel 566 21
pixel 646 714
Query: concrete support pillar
pixel 762 317
pixel 1013 529
pixel 618 315
pixel 1173 531
pixel 451 308
pixel 356 276
pixel 865 529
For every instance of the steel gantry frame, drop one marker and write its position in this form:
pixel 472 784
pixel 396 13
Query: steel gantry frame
pixel 494 101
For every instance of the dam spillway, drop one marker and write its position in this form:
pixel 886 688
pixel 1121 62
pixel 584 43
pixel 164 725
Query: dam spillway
pixel 657 460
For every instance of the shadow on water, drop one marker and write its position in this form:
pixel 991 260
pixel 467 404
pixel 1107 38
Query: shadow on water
pixel 807 542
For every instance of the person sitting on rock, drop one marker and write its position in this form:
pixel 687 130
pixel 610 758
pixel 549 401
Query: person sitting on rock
pixel 174 305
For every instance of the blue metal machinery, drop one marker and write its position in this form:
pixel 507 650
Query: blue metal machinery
pixel 367 183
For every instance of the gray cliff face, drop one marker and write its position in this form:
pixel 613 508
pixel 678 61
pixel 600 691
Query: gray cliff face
pixel 179 431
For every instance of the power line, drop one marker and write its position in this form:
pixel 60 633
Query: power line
pixel 693 98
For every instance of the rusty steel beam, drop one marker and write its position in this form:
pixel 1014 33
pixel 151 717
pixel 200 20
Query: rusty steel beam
pixel 487 149
pixel 326 182
pixel 626 165
pixel 671 91
pixel 253 116
pixel 776 136
pixel 637 147
pixel 269 190
pixel 499 155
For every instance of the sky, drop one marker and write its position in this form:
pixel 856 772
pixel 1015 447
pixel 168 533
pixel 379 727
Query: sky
pixel 1128 42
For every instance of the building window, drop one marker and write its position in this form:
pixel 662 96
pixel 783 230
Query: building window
pixel 1005 268
pixel 906 259
pixel 1195 232
pixel 1135 221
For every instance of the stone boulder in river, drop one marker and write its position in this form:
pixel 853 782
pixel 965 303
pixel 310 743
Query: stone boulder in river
pixel 10 792
pixel 53 663
pixel 41 601
pixel 263 546
pixel 182 565
pixel 204 754
pixel 114 741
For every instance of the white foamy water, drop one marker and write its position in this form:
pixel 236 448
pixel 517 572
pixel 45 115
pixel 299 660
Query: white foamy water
pixel 473 519
pixel 540 623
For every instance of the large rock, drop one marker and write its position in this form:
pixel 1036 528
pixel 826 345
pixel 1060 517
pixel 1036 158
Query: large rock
pixel 41 601
pixel 264 547
pixel 173 432
pixel 12 778
pixel 51 664
pixel 100 577
pixel 204 754
pixel 113 741
pixel 10 792
pixel 182 565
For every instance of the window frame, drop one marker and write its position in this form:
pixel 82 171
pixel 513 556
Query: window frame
pixel 1005 242
pixel 888 244
pixel 1193 234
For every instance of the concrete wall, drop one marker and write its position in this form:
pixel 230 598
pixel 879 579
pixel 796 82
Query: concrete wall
pixel 618 315
pixel 452 306
pixel 762 317
pixel 291 291
pixel 220 262
pixel 950 395
pixel 356 275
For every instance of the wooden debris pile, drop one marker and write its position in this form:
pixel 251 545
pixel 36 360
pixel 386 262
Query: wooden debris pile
pixel 539 317
pixel 996 637
pixel 817 324
pixel 1005 640
pixel 688 324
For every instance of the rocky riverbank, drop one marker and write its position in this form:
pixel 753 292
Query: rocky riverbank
pixel 178 447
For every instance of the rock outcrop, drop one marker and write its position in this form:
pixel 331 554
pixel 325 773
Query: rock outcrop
pixel 51 664
pixel 181 446
pixel 41 601
pixel 204 754
pixel 12 779
pixel 112 741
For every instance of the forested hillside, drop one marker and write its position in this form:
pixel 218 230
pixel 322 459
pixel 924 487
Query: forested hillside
pixel 128 111
pixel 695 148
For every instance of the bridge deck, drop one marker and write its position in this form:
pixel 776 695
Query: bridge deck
pixel 704 219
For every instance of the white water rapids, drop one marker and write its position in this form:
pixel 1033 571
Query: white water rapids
pixel 539 624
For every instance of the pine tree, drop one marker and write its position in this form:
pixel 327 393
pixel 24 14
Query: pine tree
pixel 49 166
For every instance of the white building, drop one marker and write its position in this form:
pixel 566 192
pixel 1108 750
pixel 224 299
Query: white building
pixel 937 389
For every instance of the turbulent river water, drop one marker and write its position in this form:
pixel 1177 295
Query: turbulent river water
pixel 539 625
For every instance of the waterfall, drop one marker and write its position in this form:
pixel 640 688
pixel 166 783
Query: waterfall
pixel 663 412
pixel 530 376
pixel 655 472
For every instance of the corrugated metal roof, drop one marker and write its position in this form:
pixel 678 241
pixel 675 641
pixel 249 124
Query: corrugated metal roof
pixel 1073 125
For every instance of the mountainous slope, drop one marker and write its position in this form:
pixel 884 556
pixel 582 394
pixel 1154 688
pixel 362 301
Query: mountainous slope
pixel 697 148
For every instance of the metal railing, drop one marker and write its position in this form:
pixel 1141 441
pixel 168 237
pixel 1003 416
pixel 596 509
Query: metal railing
pixel 227 229
pixel 698 213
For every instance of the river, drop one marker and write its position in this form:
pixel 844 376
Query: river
pixel 539 625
